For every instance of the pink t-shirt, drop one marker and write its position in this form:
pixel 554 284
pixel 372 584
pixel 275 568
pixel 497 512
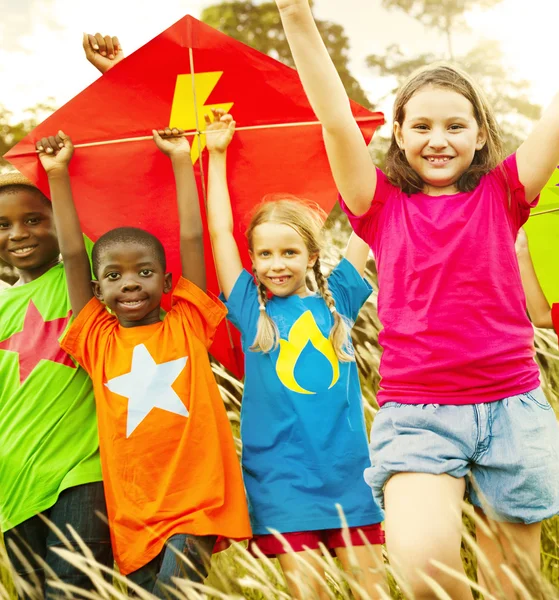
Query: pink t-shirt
pixel 555 317
pixel 450 296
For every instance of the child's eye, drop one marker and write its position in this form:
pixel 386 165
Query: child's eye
pixel 265 254
pixel 112 276
pixel 421 127
pixel 34 221
pixel 146 272
pixel 290 253
pixel 4 225
pixel 456 127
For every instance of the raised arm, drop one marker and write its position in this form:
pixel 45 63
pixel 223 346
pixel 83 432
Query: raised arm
pixel 103 52
pixel 357 252
pixel 349 158
pixel 176 147
pixel 55 153
pixel 538 306
pixel 538 156
pixel 220 217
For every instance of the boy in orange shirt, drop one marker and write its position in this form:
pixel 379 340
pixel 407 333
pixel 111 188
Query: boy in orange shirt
pixel 171 475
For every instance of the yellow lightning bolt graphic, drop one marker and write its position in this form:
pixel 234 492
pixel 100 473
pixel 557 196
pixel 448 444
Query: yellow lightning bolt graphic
pixel 183 111
pixel 304 330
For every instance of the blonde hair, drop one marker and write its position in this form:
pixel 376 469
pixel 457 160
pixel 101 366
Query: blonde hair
pixel 448 77
pixel 307 219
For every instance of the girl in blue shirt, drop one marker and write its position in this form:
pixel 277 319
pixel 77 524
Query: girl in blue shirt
pixel 302 425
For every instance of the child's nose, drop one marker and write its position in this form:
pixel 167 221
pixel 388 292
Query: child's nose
pixel 130 285
pixel 278 263
pixel 19 232
pixel 438 139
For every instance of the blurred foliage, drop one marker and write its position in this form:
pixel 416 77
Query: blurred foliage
pixel 12 131
pixel 259 26
pixel 446 17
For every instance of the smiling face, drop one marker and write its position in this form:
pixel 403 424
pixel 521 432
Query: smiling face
pixel 439 136
pixel 131 282
pixel 280 259
pixel 28 239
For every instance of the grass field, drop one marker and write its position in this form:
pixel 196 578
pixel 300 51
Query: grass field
pixel 236 574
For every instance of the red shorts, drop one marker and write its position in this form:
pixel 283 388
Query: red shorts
pixel 270 545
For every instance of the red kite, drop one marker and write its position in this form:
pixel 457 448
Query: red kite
pixel 120 178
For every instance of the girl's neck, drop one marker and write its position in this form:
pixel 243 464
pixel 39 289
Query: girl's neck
pixel 297 294
pixel 430 190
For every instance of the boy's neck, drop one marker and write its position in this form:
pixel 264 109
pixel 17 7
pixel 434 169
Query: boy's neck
pixel 154 316
pixel 29 275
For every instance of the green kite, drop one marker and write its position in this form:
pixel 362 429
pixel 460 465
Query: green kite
pixel 542 229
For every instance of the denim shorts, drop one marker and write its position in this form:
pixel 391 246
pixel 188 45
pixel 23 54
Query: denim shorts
pixel 507 450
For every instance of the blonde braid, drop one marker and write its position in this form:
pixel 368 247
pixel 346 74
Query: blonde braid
pixel 340 332
pixel 267 334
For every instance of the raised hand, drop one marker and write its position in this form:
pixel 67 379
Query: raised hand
pixel 55 152
pixel 103 52
pixel 284 4
pixel 171 142
pixel 219 132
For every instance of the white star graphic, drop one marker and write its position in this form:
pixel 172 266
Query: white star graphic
pixel 147 386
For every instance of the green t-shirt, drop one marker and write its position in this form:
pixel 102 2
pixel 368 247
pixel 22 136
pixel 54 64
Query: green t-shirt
pixel 48 425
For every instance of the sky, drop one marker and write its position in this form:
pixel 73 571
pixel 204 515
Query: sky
pixel 41 54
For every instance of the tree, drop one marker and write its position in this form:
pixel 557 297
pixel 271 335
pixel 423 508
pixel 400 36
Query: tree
pixel 484 63
pixel 445 16
pixel 11 132
pixel 259 26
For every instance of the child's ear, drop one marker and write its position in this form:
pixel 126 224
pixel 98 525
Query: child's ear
pixel 397 129
pixel 312 260
pixel 481 139
pixel 168 283
pixel 97 290
pixel 251 254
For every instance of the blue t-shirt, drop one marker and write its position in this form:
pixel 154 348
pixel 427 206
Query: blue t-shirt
pixel 302 426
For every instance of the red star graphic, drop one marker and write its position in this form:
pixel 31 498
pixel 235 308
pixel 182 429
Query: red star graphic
pixel 38 340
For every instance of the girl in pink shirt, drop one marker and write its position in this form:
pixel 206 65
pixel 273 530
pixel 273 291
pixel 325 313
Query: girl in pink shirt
pixel 461 408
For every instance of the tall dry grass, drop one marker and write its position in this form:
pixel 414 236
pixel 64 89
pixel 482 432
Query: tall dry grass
pixel 236 574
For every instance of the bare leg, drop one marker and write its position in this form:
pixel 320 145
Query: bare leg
pixel 365 567
pixel 502 548
pixel 424 524
pixel 305 575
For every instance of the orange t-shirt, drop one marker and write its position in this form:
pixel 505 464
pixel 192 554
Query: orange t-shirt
pixel 167 451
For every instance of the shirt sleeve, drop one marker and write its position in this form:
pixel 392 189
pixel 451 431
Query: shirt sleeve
pixel 243 307
pixel 202 313
pixel 366 225
pixel 83 338
pixel 349 289
pixel 555 317
pixel 507 176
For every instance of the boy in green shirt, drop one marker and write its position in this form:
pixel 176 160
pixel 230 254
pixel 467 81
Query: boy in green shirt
pixel 49 455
